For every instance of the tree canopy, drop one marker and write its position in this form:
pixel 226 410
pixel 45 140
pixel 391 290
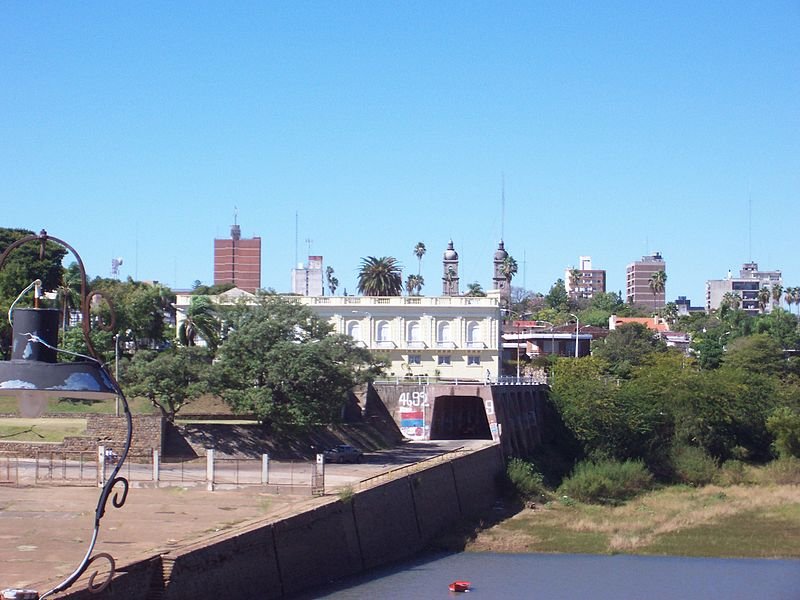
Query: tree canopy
pixel 380 276
pixel 284 364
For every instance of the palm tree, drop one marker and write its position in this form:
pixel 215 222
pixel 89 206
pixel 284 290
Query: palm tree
pixel 475 290
pixel 764 296
pixel 419 252
pixel 788 297
pixel 414 284
pixel 508 269
pixel 575 281
pixel 380 276
pixel 201 319
pixel 730 301
pixel 333 283
pixel 796 297
pixel 657 283
pixel 69 291
pixel 777 291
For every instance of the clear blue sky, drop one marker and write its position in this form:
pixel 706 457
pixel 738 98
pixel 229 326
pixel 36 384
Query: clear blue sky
pixel 134 129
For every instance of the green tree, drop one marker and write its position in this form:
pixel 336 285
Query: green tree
pixel 201 319
pixel 784 425
pixel 333 282
pixel 575 281
pixel 657 283
pixel 419 252
pixel 414 284
pixel 627 346
pixel 475 289
pixel 776 292
pixel 557 298
pixel 508 269
pixel 380 276
pixel 69 293
pixel 757 353
pixel 283 363
pixel 168 379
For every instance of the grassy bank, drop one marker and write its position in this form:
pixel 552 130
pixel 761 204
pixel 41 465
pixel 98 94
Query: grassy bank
pixel 760 521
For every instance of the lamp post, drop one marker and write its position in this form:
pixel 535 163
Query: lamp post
pixel 34 374
pixel 577 331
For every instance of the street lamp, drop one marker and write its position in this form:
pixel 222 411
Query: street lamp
pixel 33 375
pixel 577 331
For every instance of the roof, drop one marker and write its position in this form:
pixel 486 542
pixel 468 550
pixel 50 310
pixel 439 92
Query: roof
pixel 653 323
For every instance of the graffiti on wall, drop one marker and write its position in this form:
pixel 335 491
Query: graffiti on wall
pixel 415 415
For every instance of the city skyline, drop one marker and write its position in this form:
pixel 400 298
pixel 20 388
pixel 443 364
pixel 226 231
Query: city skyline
pixel 608 130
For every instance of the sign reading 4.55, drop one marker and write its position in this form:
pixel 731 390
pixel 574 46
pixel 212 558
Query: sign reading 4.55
pixel 413 399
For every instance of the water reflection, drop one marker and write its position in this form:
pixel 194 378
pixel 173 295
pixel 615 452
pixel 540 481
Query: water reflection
pixel 570 577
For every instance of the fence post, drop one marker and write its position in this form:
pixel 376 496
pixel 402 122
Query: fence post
pixel 264 469
pixel 156 466
pixel 210 469
pixel 101 465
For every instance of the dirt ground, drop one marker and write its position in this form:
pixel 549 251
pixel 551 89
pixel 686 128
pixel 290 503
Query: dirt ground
pixel 45 531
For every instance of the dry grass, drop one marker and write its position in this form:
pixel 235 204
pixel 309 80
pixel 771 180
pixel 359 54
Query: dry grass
pixel 644 521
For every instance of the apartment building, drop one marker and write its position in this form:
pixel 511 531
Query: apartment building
pixel 638 276
pixel 583 281
pixel 238 261
pixel 746 287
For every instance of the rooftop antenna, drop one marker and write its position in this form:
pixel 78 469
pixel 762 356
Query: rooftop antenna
pixel 309 241
pixel 503 207
pixel 750 226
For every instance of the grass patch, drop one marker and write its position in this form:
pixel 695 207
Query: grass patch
pixel 138 406
pixel 40 430
pixel 735 521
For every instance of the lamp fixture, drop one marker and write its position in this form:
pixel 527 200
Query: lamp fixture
pixel 33 375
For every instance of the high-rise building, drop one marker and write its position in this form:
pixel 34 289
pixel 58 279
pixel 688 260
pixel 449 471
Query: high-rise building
pixel 307 280
pixel 639 289
pixel 450 271
pixel 238 261
pixel 583 281
pixel 747 287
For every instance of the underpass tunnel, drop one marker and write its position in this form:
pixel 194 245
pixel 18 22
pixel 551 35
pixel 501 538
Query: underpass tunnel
pixel 459 418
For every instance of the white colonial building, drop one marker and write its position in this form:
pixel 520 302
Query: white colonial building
pixel 445 337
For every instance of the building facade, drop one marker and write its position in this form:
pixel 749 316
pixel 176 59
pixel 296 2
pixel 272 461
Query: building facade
pixel 451 338
pixel 307 280
pixel 238 261
pixel 638 278
pixel 747 287
pixel 583 281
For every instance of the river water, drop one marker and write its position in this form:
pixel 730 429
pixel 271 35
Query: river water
pixel 576 577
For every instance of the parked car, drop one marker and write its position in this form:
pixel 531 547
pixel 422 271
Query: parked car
pixel 343 453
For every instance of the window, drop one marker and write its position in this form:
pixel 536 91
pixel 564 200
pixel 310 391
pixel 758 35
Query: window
pixel 413 331
pixel 414 359
pixel 354 330
pixel 444 332
pixel 474 335
pixel 383 331
pixel 474 360
pixel 444 359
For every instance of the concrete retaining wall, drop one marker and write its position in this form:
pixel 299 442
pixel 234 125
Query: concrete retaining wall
pixel 374 527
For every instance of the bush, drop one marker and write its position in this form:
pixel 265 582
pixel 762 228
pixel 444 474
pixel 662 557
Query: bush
pixel 734 472
pixel 784 471
pixel 693 466
pixel 784 425
pixel 607 481
pixel 527 481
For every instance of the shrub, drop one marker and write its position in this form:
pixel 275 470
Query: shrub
pixel 784 425
pixel 693 465
pixel 734 472
pixel 527 481
pixel 782 471
pixel 607 481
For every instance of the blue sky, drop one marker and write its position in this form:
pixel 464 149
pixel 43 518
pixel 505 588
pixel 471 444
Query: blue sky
pixel 133 130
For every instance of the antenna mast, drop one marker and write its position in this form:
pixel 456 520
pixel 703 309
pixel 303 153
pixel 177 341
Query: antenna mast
pixel 503 207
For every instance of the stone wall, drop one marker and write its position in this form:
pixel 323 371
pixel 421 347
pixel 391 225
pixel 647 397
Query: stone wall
pixel 374 527
pixel 101 430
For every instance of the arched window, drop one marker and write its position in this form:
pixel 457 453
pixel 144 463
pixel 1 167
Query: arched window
pixel 383 331
pixel 413 332
pixel 443 332
pixel 473 333
pixel 354 330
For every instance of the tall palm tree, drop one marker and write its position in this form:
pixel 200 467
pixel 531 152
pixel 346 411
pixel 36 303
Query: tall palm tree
pixel 419 252
pixel 380 276
pixel 788 297
pixel 509 269
pixel 764 296
pixel 575 281
pixel 730 301
pixel 414 284
pixel 777 292
pixel 69 291
pixel 475 290
pixel 657 283
pixel 796 297
pixel 333 283
pixel 201 320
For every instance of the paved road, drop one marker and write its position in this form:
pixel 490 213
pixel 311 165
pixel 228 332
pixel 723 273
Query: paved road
pixel 44 530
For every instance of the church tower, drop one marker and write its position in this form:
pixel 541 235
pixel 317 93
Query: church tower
pixel 450 271
pixel 499 279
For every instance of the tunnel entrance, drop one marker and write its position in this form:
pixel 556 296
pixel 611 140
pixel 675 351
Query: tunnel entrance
pixel 459 418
